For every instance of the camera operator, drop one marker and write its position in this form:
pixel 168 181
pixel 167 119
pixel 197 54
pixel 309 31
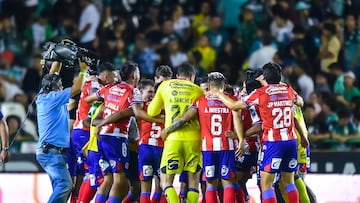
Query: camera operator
pixel 54 130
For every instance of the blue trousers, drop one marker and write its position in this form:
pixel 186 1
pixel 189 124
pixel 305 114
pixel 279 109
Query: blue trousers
pixel 54 164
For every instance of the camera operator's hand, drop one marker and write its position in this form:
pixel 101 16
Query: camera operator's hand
pixel 83 66
pixel 55 67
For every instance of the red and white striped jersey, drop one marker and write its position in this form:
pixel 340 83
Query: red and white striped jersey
pixel 150 132
pixel 275 104
pixel 116 97
pixel 215 120
pixel 83 107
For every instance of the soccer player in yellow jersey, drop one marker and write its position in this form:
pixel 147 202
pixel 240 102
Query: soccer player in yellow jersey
pixel 181 147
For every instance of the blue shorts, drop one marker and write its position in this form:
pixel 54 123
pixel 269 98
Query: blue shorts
pixel 279 156
pixel 115 154
pixel 219 164
pixel 149 161
pixel 247 161
pixel 94 168
pixel 71 159
pixel 132 172
pixel 80 138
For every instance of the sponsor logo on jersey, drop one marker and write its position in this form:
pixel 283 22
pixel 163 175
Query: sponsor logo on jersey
pixel 147 170
pixel 173 164
pixel 210 171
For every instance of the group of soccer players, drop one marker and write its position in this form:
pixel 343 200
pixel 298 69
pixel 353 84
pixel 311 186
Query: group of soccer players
pixel 128 132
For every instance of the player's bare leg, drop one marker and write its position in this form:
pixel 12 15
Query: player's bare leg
pixel 104 188
pixel 193 184
pixel 167 185
pixel 120 187
pixel 268 192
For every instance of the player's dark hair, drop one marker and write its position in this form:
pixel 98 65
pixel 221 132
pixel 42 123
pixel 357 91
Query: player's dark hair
pixel 272 73
pixel 251 85
pixel 253 73
pixel 186 70
pixel 216 79
pixel 127 69
pixel 105 66
pixel 144 83
pixel 229 89
pixel 202 80
pixel 164 71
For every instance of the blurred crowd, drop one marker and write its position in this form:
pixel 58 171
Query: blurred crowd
pixel 317 42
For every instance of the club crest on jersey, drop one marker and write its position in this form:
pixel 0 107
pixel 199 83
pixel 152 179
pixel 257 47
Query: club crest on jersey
pixel 273 98
pixel 293 163
pixel 211 103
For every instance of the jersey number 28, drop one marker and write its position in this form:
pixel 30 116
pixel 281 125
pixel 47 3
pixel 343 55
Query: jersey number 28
pixel 282 117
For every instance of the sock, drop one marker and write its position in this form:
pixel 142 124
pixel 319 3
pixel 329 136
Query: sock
pixel 113 199
pixel 171 195
pixel 301 187
pixel 129 198
pixel 74 196
pixel 86 193
pixel 163 198
pixel 292 193
pixel 268 196
pixel 229 193
pixel 210 195
pixel 192 195
pixel 239 193
pixel 100 198
pixel 155 198
pixel 145 197
pixel 182 194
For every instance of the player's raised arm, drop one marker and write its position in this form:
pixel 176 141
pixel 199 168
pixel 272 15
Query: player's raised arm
pixel 233 105
pixel 115 117
pixel 92 98
pixel 141 114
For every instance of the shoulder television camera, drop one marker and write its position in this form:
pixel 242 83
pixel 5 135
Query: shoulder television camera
pixel 68 53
